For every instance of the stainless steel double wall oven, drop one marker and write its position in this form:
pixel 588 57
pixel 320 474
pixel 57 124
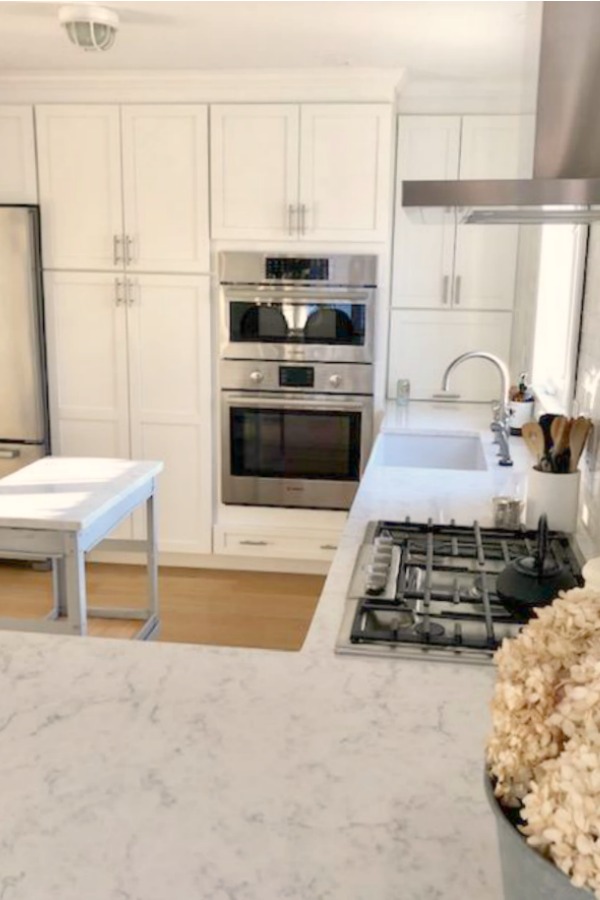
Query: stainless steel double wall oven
pixel 296 377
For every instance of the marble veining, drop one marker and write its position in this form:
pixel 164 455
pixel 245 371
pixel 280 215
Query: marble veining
pixel 146 771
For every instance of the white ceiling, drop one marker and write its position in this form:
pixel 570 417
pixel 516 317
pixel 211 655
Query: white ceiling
pixel 452 40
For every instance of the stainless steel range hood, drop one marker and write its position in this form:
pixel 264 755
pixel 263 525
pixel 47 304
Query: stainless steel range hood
pixel 566 169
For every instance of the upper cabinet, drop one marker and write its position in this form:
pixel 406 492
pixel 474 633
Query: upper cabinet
pixel 17 152
pixel 308 172
pixel 445 265
pixel 124 187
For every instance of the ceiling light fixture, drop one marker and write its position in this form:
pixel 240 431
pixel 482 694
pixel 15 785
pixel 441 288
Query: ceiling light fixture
pixel 90 27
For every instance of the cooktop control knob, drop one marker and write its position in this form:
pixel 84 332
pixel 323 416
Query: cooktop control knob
pixel 335 380
pixel 256 377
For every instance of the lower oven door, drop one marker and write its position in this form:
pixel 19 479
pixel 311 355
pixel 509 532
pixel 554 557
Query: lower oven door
pixel 294 450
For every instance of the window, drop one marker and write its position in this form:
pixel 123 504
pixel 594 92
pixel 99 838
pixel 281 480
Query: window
pixel 558 311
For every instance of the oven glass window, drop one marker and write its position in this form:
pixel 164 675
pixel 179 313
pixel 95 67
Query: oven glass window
pixel 295 444
pixel 298 323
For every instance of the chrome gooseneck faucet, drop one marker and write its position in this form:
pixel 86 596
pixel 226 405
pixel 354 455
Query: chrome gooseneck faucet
pixel 500 426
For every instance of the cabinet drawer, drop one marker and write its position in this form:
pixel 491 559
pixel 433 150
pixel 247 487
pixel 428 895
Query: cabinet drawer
pixel 285 545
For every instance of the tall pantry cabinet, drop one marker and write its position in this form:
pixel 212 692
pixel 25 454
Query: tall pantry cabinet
pixel 453 285
pixel 124 200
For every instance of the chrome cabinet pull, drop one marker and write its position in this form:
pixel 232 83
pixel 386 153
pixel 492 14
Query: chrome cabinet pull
pixel 119 298
pixel 255 543
pixel 328 547
pixel 292 210
pixel 130 291
pixel 445 286
pixel 117 257
pixel 457 287
pixel 9 454
pixel 302 226
pixel 129 249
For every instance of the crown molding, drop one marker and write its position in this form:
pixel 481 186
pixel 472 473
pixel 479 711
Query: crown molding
pixel 343 85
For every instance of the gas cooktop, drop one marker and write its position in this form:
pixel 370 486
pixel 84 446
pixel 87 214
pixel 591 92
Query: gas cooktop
pixel 430 590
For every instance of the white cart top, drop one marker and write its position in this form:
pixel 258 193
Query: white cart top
pixel 69 494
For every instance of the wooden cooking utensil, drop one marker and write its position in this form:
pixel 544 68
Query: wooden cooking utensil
pixel 560 455
pixel 534 438
pixel 577 438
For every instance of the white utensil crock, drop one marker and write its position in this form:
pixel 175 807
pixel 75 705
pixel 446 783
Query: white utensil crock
pixel 555 494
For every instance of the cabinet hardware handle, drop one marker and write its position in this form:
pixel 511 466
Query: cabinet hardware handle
pixel 255 543
pixel 119 299
pixel 457 286
pixel 292 210
pixel 9 454
pixel 117 257
pixel 302 228
pixel 132 288
pixel 328 547
pixel 445 286
pixel 129 249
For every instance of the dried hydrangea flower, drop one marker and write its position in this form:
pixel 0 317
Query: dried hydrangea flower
pixel 544 750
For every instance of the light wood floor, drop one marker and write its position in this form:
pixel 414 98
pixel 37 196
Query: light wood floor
pixel 197 606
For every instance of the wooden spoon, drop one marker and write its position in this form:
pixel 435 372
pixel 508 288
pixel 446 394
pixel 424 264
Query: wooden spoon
pixel 534 438
pixel 577 438
pixel 560 430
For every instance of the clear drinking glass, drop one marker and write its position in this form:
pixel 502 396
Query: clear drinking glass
pixel 402 391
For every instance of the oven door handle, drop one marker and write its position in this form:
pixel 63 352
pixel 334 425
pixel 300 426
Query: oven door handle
pixel 293 295
pixel 295 402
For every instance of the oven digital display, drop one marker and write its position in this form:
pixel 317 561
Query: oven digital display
pixel 284 268
pixel 296 376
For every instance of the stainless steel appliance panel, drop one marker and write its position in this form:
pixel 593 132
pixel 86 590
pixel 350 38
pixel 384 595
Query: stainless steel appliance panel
pixel 256 268
pixel 15 456
pixel 285 307
pixel 22 382
pixel 293 377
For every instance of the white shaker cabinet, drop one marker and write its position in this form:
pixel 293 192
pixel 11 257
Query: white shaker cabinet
pixel 124 187
pixel 424 342
pixel 129 372
pixel 300 172
pixel 18 183
pixel 443 265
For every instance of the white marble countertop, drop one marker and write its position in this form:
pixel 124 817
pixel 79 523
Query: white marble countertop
pixel 140 772
pixel 68 494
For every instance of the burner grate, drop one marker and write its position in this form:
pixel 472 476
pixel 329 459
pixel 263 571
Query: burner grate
pixel 444 594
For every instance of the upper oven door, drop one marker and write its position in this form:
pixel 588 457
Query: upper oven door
pixel 297 324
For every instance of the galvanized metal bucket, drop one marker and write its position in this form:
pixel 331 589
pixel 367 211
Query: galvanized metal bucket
pixel 526 875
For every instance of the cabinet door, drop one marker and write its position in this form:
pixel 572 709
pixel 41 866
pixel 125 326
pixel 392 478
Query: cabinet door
pixel 87 364
pixel 486 255
pixel 79 154
pixel 345 165
pixel 17 153
pixel 424 342
pixel 165 188
pixel 169 370
pixel 423 265
pixel 254 171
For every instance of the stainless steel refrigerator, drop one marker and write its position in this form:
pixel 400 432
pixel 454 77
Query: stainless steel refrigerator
pixel 24 430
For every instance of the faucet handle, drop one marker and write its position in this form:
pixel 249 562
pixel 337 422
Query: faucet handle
pixel 496 410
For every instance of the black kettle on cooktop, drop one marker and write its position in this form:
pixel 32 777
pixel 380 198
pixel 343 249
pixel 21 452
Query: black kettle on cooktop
pixel 531 581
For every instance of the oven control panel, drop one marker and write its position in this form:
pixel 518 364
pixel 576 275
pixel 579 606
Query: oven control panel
pixel 269 375
pixel 289 268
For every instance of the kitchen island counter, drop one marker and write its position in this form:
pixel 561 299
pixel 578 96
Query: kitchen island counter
pixel 146 771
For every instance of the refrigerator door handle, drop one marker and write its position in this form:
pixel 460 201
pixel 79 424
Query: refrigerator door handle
pixel 9 454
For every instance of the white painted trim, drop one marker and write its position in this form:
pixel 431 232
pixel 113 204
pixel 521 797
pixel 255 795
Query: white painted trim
pixel 328 85
pixel 217 561
pixel 463 97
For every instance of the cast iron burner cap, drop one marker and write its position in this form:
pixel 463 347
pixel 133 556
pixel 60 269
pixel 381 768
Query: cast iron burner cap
pixel 434 629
